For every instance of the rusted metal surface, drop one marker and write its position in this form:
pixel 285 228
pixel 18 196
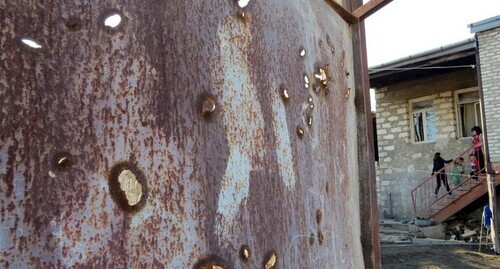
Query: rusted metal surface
pixel 168 141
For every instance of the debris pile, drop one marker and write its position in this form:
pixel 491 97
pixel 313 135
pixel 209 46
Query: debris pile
pixel 465 230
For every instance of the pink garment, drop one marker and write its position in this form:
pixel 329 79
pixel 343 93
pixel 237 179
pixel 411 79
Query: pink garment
pixel 476 141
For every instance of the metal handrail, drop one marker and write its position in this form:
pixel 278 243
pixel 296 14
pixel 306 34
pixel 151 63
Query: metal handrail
pixel 460 185
pixel 425 182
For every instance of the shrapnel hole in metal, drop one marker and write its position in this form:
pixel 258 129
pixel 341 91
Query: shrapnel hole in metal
pixel 284 93
pixel 348 92
pixel 317 89
pixel 242 15
pixel 271 261
pixel 31 43
pixel 245 253
pixel 300 131
pixel 322 75
pixel 113 20
pixel 208 105
pixel 128 186
pixel 243 3
pixel 62 160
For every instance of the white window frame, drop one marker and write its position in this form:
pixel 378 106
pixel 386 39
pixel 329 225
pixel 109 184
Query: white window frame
pixel 457 110
pixel 412 126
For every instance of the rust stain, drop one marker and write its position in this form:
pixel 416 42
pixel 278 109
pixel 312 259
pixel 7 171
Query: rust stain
pixel 111 155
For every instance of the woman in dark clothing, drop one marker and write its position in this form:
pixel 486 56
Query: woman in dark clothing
pixel 441 175
pixel 477 146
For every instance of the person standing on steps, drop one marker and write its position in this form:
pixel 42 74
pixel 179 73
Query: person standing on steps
pixel 458 171
pixel 474 167
pixel 440 174
pixel 477 146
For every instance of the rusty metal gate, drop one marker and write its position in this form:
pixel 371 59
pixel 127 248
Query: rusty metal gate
pixel 181 134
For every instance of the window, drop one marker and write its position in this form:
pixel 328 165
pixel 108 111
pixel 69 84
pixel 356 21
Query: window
pixel 468 111
pixel 423 120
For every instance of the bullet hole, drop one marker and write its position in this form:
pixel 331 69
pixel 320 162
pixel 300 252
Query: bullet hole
pixel 330 44
pixel 309 121
pixel 322 75
pixel 245 253
pixel 320 237
pixel 348 93
pixel 62 160
pixel 242 15
pixel 212 262
pixel 310 102
pixel 271 261
pixel 73 24
pixel 243 3
pixel 320 42
pixel 347 74
pixel 300 131
pixel 311 239
pixel 302 53
pixel 284 93
pixel 113 20
pixel 31 43
pixel 317 89
pixel 342 63
pixel 128 187
pixel 319 216
pixel 208 106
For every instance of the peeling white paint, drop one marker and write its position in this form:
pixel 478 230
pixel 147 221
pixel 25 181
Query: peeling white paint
pixel 283 146
pixel 243 121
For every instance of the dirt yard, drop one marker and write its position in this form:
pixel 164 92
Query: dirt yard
pixel 437 256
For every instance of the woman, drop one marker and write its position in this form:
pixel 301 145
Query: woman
pixel 440 175
pixel 477 146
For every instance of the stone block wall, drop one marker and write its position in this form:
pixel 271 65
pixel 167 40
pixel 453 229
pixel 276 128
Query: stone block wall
pixel 403 164
pixel 489 55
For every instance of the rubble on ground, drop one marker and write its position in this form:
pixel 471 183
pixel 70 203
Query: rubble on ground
pixel 454 230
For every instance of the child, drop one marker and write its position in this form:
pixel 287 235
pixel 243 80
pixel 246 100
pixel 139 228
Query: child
pixel 474 167
pixel 458 171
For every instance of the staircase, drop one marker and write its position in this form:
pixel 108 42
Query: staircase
pixel 425 205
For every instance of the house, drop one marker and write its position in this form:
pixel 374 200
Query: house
pixel 428 103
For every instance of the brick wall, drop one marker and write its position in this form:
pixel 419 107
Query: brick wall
pixel 489 55
pixel 403 164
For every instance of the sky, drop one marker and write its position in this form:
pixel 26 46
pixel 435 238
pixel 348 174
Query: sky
pixel 406 27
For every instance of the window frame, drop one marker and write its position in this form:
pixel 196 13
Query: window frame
pixel 412 126
pixel 457 110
